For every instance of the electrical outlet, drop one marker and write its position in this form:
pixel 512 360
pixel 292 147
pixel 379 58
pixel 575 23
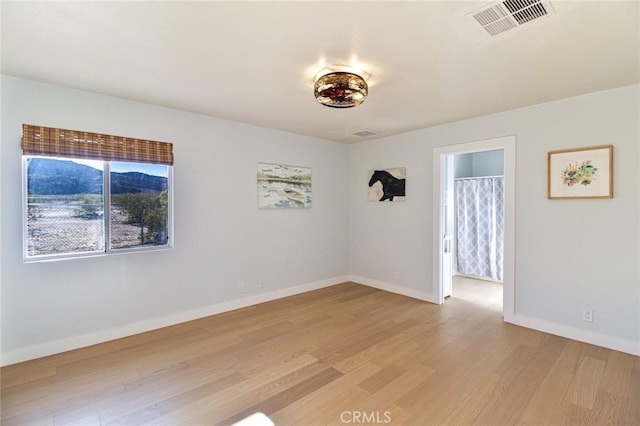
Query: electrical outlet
pixel 587 315
pixel 261 285
pixel 396 275
pixel 241 287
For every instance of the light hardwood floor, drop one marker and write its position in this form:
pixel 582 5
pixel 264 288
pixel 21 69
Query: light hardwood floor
pixel 347 354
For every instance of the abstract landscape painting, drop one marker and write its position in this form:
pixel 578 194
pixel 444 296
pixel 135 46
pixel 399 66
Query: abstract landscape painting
pixel 283 187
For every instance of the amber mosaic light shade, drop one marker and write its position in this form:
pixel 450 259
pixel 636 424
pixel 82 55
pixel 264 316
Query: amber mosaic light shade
pixel 341 90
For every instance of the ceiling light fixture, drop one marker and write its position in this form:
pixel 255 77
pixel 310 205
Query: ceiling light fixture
pixel 340 89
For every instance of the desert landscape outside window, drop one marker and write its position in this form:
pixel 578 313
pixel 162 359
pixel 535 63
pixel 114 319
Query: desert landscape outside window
pixel 66 206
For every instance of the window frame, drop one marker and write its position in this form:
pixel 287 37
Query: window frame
pixel 107 250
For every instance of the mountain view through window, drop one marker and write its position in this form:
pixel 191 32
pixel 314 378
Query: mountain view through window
pixel 66 202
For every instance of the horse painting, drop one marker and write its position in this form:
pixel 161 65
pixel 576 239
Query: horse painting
pixel 392 186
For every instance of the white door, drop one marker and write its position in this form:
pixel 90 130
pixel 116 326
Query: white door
pixel 440 154
pixel 447 226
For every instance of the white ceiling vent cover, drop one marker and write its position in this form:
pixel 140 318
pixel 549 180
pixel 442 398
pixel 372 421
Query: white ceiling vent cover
pixel 366 133
pixel 501 16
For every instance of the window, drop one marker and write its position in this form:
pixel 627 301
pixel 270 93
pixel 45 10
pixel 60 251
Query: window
pixel 79 204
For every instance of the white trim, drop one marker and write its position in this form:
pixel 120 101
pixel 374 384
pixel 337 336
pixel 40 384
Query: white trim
pixel 62 345
pixel 579 334
pixel 393 288
pixel 76 342
pixel 508 145
pixel 573 333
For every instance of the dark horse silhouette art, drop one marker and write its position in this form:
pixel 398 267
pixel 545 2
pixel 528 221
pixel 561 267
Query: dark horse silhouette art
pixel 391 185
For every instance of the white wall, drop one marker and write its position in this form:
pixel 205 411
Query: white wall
pixel 221 238
pixel 570 254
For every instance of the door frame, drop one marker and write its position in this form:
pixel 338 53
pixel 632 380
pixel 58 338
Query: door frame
pixel 508 145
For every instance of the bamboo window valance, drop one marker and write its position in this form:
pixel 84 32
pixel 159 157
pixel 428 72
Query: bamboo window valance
pixel 49 141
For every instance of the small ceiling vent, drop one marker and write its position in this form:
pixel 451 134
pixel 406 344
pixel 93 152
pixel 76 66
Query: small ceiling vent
pixel 364 133
pixel 501 16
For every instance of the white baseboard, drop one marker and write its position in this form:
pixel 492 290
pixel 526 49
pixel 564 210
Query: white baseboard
pixel 394 288
pixel 581 335
pixel 76 342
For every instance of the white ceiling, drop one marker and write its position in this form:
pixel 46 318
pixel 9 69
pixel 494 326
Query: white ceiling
pixel 429 62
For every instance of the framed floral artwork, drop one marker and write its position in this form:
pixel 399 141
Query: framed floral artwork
pixel 580 173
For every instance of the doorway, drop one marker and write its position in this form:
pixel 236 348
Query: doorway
pixel 444 223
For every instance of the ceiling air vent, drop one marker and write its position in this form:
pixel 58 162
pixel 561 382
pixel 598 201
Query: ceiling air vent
pixel 365 133
pixel 501 16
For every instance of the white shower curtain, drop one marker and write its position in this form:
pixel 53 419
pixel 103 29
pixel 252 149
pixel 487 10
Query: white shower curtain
pixel 480 226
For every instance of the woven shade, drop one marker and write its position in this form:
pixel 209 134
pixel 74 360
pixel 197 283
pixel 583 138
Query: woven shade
pixel 49 141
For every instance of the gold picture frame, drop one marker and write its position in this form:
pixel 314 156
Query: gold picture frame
pixel 580 173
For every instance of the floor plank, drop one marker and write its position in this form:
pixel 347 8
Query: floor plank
pixel 343 354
